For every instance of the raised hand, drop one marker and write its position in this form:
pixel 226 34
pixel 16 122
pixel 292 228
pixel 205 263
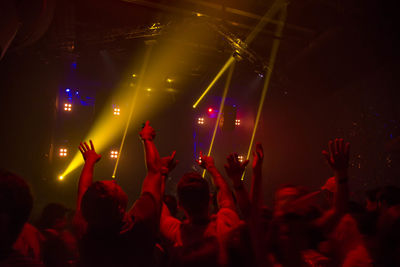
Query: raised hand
pixel 338 156
pixel 234 168
pixel 147 133
pixel 205 162
pixel 88 153
pixel 258 157
pixel 168 163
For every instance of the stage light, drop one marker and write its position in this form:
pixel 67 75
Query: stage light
pixel 210 110
pixel 60 177
pixel 134 75
pixel 117 111
pixel 63 152
pixel 148 89
pixel 67 90
pixel 241 158
pixel 67 107
pixel 169 80
pixel 114 154
pixel 237 122
pixel 200 120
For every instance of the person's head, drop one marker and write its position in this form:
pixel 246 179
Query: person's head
pixel 54 216
pixel 193 194
pixel 371 201
pixel 15 207
pixel 284 196
pixel 388 196
pixel 104 205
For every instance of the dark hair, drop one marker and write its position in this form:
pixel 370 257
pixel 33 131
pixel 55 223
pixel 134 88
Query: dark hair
pixel 193 193
pixel 372 194
pixel 16 203
pixel 389 194
pixel 50 214
pixel 103 203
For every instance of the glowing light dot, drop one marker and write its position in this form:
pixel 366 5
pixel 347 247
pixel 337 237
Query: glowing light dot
pixel 148 89
pixel 60 177
pixel 200 120
pixel 237 122
pixel 241 158
pixel 169 80
pixel 134 75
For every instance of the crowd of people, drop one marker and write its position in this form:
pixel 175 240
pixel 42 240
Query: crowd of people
pixel 231 227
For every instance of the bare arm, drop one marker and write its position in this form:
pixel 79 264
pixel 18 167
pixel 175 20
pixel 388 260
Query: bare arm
pixel 91 157
pixel 153 180
pixel 256 192
pixel 224 195
pixel 338 159
pixel 234 169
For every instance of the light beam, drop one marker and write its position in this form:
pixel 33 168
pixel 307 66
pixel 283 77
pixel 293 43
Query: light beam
pixel 261 24
pixel 133 104
pixel 274 53
pixel 220 110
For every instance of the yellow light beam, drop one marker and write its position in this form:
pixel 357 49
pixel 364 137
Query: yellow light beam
pixel 133 104
pixel 222 71
pixel 261 24
pixel 221 108
pixel 274 53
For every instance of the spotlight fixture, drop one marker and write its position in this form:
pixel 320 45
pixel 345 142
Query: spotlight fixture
pixel 60 177
pixel 148 89
pixel 117 111
pixel 200 120
pixel 169 80
pixel 114 154
pixel 63 152
pixel 237 122
pixel 67 107
pixel 241 158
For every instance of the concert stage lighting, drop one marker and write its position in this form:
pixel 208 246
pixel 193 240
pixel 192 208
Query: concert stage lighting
pixel 117 111
pixel 67 90
pixel 134 75
pixel 148 89
pixel 169 80
pixel 237 122
pixel 63 152
pixel 67 107
pixel 210 110
pixel 200 120
pixel 241 158
pixel 114 154
pixel 60 177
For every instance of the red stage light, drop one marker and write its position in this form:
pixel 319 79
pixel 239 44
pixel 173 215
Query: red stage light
pixel 210 110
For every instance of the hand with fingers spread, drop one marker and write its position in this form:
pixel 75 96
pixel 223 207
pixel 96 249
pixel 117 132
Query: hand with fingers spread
pixel 168 163
pixel 234 168
pixel 88 153
pixel 258 157
pixel 338 156
pixel 147 133
pixel 205 162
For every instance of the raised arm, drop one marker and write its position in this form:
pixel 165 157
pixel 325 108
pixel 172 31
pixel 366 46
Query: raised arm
pixel 256 193
pixel 234 169
pixel 224 195
pixel 91 157
pixel 338 160
pixel 152 182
